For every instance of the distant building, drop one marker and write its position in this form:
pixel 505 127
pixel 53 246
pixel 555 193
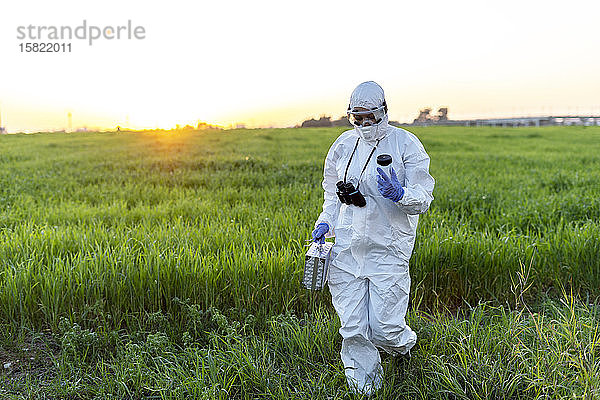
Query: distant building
pixel 588 120
pixel 426 119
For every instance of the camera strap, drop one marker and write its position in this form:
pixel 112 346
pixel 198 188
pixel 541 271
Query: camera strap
pixel 367 163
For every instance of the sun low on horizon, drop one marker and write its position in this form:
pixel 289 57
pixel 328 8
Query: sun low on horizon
pixel 268 63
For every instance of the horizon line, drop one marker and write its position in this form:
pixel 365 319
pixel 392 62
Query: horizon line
pixel 238 126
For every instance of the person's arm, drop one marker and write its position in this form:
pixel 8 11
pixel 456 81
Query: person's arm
pixel 331 204
pixel 418 184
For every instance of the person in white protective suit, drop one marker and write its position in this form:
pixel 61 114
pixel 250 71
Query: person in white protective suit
pixel 369 276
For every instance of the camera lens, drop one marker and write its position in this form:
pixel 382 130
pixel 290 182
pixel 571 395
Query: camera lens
pixel 355 196
pixel 348 194
pixel 358 199
pixel 341 193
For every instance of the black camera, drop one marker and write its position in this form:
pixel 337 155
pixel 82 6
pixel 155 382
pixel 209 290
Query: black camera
pixel 350 195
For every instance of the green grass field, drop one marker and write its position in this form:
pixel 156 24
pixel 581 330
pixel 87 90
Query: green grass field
pixel 167 265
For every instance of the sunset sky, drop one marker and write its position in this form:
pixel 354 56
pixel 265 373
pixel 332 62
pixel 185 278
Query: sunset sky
pixel 275 63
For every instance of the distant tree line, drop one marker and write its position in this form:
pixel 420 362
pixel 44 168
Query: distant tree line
pixel 426 117
pixel 326 121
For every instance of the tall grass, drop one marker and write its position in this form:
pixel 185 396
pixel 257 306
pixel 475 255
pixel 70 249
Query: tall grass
pixel 167 265
pixel 120 224
pixel 486 352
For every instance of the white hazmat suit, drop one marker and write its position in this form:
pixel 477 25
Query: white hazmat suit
pixel 369 276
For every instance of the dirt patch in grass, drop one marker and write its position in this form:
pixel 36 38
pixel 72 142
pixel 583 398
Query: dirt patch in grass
pixel 30 359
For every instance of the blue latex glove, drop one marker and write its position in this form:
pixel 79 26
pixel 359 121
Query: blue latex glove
pixel 389 186
pixel 318 234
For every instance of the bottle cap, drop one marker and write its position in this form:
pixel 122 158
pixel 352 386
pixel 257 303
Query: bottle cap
pixel 384 160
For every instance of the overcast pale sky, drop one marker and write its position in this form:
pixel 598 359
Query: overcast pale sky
pixel 276 63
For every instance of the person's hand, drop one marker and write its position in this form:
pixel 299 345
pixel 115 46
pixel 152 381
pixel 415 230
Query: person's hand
pixel 389 186
pixel 318 234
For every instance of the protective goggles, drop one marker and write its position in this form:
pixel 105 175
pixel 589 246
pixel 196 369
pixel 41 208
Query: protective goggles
pixel 367 117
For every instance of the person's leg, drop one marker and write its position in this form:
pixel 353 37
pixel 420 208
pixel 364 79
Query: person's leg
pixel 350 297
pixel 388 295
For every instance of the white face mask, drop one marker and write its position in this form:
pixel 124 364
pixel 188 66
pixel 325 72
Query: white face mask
pixel 367 132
